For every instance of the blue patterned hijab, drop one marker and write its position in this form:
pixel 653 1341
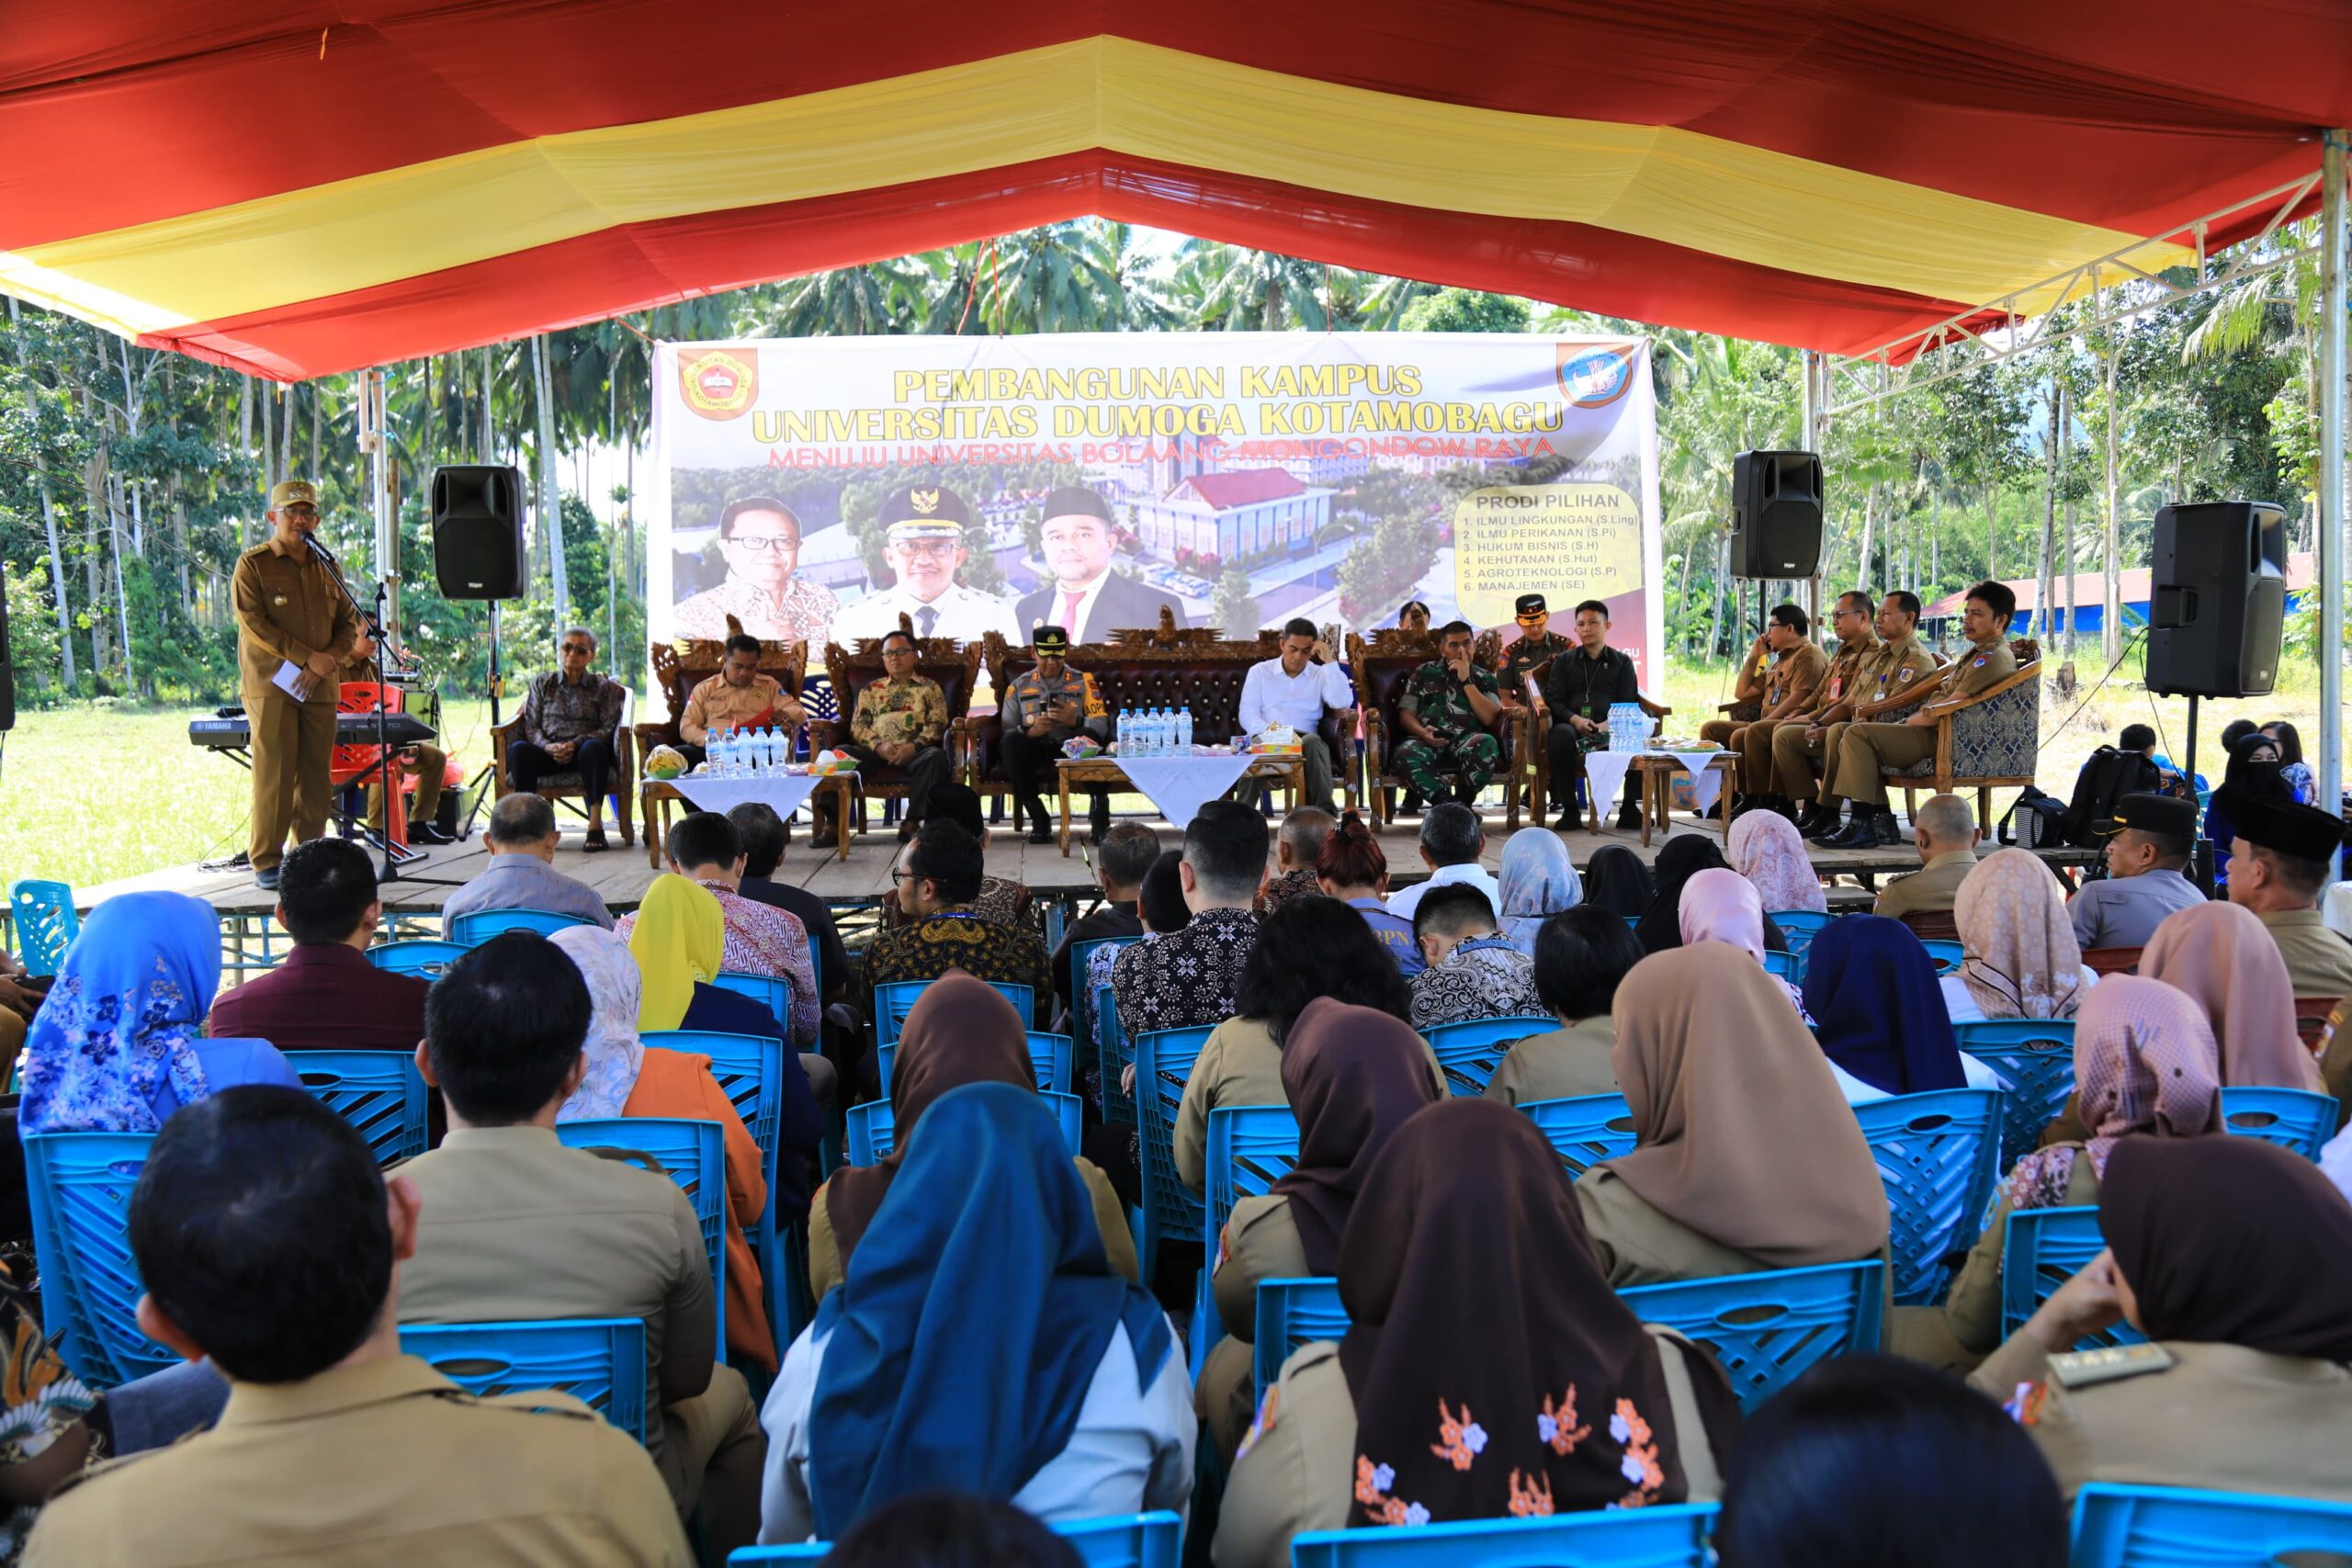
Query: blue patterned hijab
pixel 973 1316
pixel 112 1049
pixel 1538 881
pixel 1870 990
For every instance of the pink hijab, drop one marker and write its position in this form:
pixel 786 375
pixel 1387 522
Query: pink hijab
pixel 2022 959
pixel 2223 957
pixel 1723 906
pixel 1764 847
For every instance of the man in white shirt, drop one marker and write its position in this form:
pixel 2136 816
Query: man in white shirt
pixel 1452 841
pixel 1295 689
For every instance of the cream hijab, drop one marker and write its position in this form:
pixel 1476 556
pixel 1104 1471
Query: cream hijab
pixel 2022 959
pixel 2223 957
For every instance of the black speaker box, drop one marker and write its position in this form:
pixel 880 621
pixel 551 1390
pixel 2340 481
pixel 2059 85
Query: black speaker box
pixel 478 531
pixel 2217 604
pixel 1775 514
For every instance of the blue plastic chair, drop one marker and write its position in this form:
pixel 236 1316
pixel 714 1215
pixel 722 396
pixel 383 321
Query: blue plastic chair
pixel 2292 1118
pixel 1164 1059
pixel 2035 1056
pixel 1766 1328
pixel 1947 954
pixel 2118 1526
pixel 895 999
pixel 1584 1129
pixel 1291 1312
pixel 1799 926
pixel 693 1154
pixel 1122 1540
pixel 1118 1105
pixel 599 1361
pixel 872 1132
pixel 1471 1051
pixel 1081 954
pixel 1050 1058
pixel 771 991
pixel 1250 1148
pixel 46 923
pixel 474 928
pixel 2041 1250
pixel 380 1093
pixel 424 957
pixel 1786 965
pixel 1670 1536
pixel 1935 1154
pixel 79 1185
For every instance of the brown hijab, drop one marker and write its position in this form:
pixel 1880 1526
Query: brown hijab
pixel 1743 1134
pixel 1494 1371
pixel 1353 1075
pixel 2223 957
pixel 959 1031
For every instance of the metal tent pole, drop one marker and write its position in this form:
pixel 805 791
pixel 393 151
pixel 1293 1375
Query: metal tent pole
pixel 2330 561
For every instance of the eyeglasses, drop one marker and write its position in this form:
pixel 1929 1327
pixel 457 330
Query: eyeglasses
pixel 1841 615
pixel 898 876
pixel 934 550
pixel 898 653
pixel 577 648
pixel 759 544
pixel 301 509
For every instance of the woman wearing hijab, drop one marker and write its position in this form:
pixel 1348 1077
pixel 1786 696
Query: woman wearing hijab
pixel 679 940
pixel 1677 862
pixel 1537 882
pixel 2225 961
pixel 959 1031
pixel 1353 1076
pixel 1617 881
pixel 980 1343
pixel 2022 960
pixel 2235 1256
pixel 1764 847
pixel 1719 905
pixel 2253 772
pixel 1488 1371
pixel 624 1078
pixel 1747 1157
pixel 2144 1067
pixel 1580 959
pixel 1871 989
pixel 120 1044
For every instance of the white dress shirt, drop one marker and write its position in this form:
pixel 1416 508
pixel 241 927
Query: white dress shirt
pixel 1269 696
pixel 1405 901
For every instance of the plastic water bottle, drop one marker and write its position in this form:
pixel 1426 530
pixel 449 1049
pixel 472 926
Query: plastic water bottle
pixel 1184 732
pixel 1156 734
pixel 715 754
pixel 769 746
pixel 1143 733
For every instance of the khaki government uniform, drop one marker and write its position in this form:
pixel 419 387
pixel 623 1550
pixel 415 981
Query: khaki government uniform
pixel 1298 1473
pixel 287 610
pixel 1558 1063
pixel 1957 1333
pixel 1840 677
pixel 1864 748
pixel 1260 1242
pixel 825 1269
pixel 1744 710
pixel 714 706
pixel 2319 961
pixel 1934 886
pixel 2335 1061
pixel 1636 1243
pixel 1239 1064
pixel 1797 674
pixel 1797 762
pixel 385 1464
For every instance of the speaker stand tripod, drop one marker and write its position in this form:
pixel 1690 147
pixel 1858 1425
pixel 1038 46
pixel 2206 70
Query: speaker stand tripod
pixel 483 780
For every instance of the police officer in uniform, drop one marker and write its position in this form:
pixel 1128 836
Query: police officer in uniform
pixel 926 546
pixel 1042 709
pixel 289 611
pixel 1537 646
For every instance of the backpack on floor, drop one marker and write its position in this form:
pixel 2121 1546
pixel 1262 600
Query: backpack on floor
pixel 2109 775
pixel 2040 819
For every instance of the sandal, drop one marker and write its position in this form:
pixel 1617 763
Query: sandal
pixel 596 840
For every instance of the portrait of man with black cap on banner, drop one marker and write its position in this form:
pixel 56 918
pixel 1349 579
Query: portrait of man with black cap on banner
pixel 2280 864
pixel 1042 708
pixel 925 547
pixel 1086 597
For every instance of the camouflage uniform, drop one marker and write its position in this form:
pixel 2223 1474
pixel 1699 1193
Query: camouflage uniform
pixel 1445 713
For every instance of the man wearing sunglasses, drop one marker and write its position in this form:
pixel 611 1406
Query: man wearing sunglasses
pixel 925 547
pixel 568 718
pixel 291 619
pixel 760 536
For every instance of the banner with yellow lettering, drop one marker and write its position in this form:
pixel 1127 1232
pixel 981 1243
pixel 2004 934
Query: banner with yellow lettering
pixel 822 488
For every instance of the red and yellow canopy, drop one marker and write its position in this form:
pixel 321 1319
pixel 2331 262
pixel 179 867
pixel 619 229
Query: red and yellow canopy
pixel 295 188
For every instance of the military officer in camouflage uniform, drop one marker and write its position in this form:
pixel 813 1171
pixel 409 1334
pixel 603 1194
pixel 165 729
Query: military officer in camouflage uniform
pixel 901 722
pixel 1042 709
pixel 1445 713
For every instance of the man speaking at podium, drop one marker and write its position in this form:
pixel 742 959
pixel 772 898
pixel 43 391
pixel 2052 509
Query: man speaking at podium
pixel 294 630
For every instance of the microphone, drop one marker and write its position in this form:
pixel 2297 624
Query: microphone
pixel 320 546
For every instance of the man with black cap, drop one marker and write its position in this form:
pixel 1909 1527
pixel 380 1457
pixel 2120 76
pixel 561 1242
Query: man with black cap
pixel 1041 709
pixel 2280 862
pixel 1087 598
pixel 2149 842
pixel 1536 646
pixel 925 545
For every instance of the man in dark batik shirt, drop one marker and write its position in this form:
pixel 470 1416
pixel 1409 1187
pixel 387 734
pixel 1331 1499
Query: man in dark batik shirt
pixel 938 876
pixel 1186 978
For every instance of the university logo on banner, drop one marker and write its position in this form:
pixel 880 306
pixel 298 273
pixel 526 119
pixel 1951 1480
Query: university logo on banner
pixel 1594 377
pixel 720 383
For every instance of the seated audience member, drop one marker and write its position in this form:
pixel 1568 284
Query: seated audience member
pixel 570 715
pixel 952 1529
pixel 2149 842
pixel 1451 840
pixel 1537 882
pixel 1946 834
pixel 999 898
pixel 959 1031
pixel 515 1226
pixel 981 1288
pixel 705 848
pixel 1186 979
pixel 1580 958
pixel 1299 844
pixel 2285 856
pixel 2222 957
pixel 1353 1075
pixel 938 875
pixel 49 1415
pixel 2022 960
pixel 2145 1067
pixel 116 1047
pixel 2231 1254
pixel 1617 881
pixel 267 1242
pixel 1780 1179
pixel 1774 858
pixel 1309 950
pixel 763 835
pixel 2251 777
pixel 1354 870
pixel 521 874
pixel 1478 1304
pixel 1159 909
pixel 1677 862
pixel 324 995
pixel 1867 1460
pixel 1721 906
pixel 1472 972
pixel 2293 772
pixel 1869 989
pixel 1124 860
pixel 624 1076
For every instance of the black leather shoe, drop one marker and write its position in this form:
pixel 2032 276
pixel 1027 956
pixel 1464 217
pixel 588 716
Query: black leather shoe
pixel 1629 819
pixel 1883 827
pixel 1813 819
pixel 267 879
pixel 1040 833
pixel 426 834
pixel 1830 828
pixel 1858 834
